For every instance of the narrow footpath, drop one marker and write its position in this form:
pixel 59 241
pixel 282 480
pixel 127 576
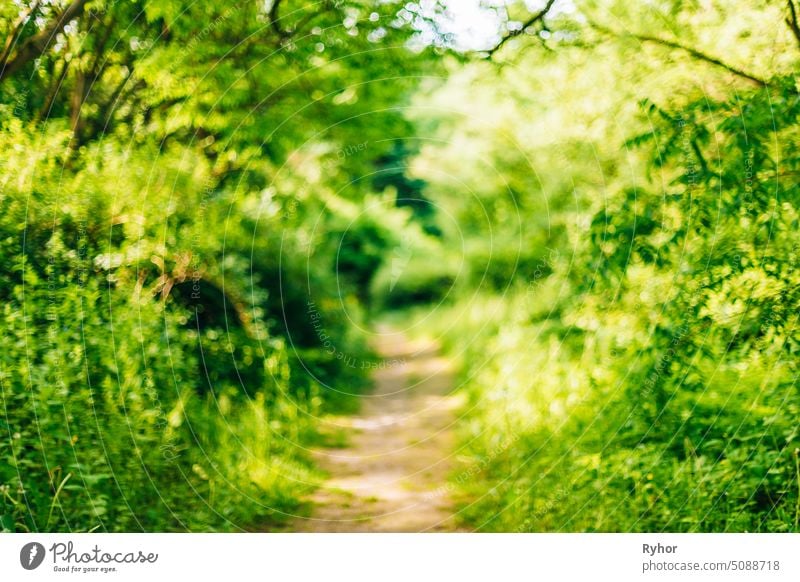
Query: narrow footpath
pixel 392 475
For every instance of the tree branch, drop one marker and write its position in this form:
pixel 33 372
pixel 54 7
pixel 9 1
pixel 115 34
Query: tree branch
pixel 54 87
pixel 791 21
pixel 17 29
pixel 34 46
pixel 274 17
pixel 534 18
pixel 111 104
pixel 701 56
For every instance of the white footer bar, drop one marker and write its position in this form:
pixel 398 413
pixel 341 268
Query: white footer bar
pixel 400 557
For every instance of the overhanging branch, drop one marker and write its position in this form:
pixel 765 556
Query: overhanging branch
pixel 274 19
pixel 34 46
pixel 533 19
pixel 699 55
pixel 12 37
pixel 791 21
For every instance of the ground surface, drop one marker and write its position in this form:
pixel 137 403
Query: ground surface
pixel 392 474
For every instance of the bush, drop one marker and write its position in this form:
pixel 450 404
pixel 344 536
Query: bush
pixel 142 387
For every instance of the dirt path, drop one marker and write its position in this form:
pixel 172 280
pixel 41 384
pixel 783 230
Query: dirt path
pixel 392 475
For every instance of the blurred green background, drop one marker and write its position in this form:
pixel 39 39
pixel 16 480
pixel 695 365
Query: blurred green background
pixel 205 207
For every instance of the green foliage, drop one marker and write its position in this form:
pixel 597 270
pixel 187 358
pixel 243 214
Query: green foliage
pixel 175 320
pixel 645 379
